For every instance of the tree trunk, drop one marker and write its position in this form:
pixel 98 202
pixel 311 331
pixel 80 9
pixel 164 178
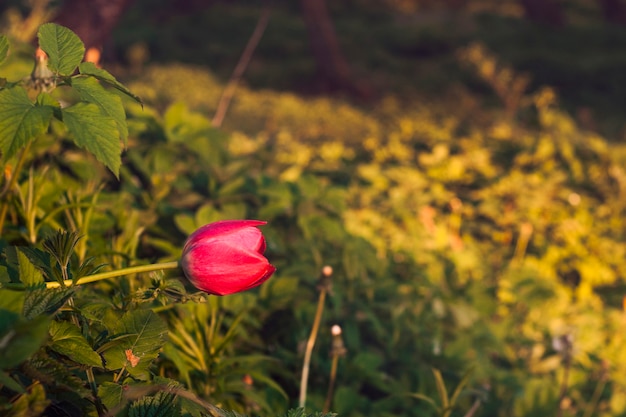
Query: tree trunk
pixel 547 12
pixel 332 67
pixel 614 11
pixel 94 20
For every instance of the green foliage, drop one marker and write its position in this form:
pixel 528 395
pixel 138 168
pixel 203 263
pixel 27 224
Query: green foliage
pixel 96 122
pixel 66 339
pixel 300 412
pixel 159 405
pixel 22 120
pixel 461 236
pixel 21 338
pixel 135 342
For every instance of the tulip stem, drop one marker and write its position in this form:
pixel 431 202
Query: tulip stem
pixel 118 273
pixel 105 275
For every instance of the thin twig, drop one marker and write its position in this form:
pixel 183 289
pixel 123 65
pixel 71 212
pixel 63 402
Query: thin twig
pixel 244 60
pixel 473 408
pixel 310 344
pixel 564 383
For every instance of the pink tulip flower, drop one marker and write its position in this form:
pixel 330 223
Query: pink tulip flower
pixel 226 257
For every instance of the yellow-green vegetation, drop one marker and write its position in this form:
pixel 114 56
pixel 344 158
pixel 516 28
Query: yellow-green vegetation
pixel 462 236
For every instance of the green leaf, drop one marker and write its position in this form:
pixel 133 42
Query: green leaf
pixel 424 398
pixel 23 266
pixel 20 120
pixel 144 333
pixel 29 274
pixel 96 132
pixel 110 104
pixel 459 388
pixel 162 404
pixel 11 301
pixel 67 340
pixel 10 383
pixel 111 394
pixel 19 338
pixel 45 99
pixel 441 388
pixel 44 300
pixel 40 259
pixel 64 48
pixel 88 68
pixel 50 371
pixel 4 48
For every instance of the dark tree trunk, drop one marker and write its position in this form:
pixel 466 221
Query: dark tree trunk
pixel 455 4
pixel 547 12
pixel 332 67
pixel 614 11
pixel 92 20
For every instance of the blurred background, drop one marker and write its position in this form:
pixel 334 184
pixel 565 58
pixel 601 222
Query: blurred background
pixel 459 163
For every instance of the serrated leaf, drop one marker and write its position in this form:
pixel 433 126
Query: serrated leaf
pixel 111 394
pixel 300 412
pixel 44 300
pixel 4 48
pixel 110 104
pixel 29 274
pixel 45 99
pixel 50 371
pixel 40 259
pixel 88 68
pixel 64 48
pixel 162 404
pixel 67 340
pixel 21 338
pixel 145 334
pixel 95 132
pixel 20 120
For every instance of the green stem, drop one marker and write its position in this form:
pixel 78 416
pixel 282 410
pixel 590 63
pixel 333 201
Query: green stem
pixel 117 273
pixel 105 275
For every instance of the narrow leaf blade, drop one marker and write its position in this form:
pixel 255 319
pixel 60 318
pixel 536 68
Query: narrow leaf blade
pixel 4 48
pixel 441 388
pixel 10 383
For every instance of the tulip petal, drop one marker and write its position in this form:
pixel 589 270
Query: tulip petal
pixel 224 266
pixel 226 227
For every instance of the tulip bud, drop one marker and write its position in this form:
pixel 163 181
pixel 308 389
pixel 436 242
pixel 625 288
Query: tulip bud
pixel 226 257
